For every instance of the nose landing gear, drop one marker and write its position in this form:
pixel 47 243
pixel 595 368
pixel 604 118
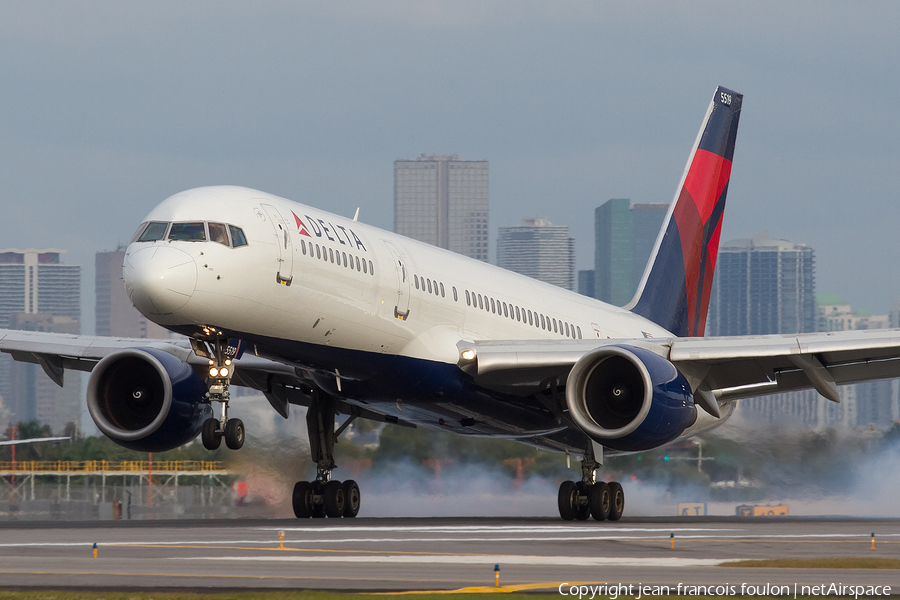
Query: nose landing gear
pixel 324 497
pixel 221 369
pixel 589 497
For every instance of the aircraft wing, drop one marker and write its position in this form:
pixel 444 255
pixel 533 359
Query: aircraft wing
pixel 55 352
pixel 727 367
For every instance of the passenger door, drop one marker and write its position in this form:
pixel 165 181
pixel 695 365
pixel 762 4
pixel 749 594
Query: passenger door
pixel 401 309
pixel 285 270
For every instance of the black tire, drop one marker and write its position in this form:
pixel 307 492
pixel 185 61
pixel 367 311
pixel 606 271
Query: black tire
pixel 234 433
pixel 351 498
pixel 616 501
pixel 600 501
pixel 333 495
pixel 317 510
pixel 582 509
pixel 567 500
pixel 209 435
pixel 302 499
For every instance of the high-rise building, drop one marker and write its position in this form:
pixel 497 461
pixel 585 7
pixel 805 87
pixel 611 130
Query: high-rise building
pixel 443 201
pixel 624 235
pixel 33 395
pixel 763 286
pixel 115 315
pixel 539 249
pixel 586 282
pixel 39 292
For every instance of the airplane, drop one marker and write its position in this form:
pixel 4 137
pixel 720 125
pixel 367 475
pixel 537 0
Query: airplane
pixel 325 312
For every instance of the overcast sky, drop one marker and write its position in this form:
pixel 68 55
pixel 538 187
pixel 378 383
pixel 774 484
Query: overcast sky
pixel 107 108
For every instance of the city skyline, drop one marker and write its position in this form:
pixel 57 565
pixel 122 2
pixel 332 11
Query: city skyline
pixel 106 122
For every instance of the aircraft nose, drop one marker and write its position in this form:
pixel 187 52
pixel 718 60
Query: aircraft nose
pixel 159 279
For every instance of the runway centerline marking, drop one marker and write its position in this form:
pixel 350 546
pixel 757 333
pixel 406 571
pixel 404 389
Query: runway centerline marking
pixel 481 559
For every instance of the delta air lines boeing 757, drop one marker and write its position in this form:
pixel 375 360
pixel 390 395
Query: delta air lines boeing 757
pixel 349 321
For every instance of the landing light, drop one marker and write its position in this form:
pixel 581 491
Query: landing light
pixel 223 372
pixel 213 372
pixel 467 354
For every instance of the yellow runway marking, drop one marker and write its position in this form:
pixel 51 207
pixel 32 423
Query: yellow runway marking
pixel 504 589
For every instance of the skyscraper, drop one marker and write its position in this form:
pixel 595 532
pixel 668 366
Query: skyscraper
pixel 33 395
pixel 624 235
pixel 763 286
pixel 38 292
pixel 539 249
pixel 443 201
pixel 586 282
pixel 115 314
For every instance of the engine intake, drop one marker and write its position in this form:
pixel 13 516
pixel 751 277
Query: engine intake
pixel 147 400
pixel 629 398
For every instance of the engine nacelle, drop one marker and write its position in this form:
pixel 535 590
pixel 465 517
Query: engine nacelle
pixel 147 400
pixel 628 398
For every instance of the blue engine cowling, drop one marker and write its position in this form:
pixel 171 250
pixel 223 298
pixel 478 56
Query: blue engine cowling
pixel 147 400
pixel 629 398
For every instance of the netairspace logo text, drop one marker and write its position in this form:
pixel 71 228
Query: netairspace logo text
pixel 638 591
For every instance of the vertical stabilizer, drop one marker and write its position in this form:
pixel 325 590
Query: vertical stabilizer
pixel 674 291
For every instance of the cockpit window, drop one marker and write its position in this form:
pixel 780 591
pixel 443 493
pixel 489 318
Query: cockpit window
pixel 190 232
pixel 217 233
pixel 237 236
pixel 154 231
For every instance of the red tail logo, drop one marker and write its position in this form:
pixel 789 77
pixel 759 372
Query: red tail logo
pixel 300 226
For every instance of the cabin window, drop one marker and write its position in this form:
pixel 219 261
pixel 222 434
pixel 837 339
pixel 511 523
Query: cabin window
pixel 429 285
pixel 579 332
pixel 238 238
pixel 371 268
pixel 455 296
pixel 344 255
pixel 331 254
pixel 529 318
pixel 518 314
pixel 154 231
pixel 364 266
pixel 303 246
pixel 505 311
pixel 554 325
pixel 543 322
pixel 480 303
pixel 493 308
pixel 442 290
pixel 357 264
pixel 217 233
pixel 187 232
pixel 567 330
pixel 468 300
pixel 318 252
pixel 416 280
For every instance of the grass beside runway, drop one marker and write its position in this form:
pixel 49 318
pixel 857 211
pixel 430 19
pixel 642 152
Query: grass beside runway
pixel 296 595
pixel 818 563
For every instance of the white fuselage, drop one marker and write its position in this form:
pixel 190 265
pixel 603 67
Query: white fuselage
pixel 390 311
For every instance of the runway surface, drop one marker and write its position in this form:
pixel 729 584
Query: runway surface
pixel 435 554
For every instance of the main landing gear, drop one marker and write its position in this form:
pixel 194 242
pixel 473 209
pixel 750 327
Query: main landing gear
pixel 220 372
pixel 324 497
pixel 591 498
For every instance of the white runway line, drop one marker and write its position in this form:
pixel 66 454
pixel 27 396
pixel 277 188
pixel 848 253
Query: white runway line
pixel 503 560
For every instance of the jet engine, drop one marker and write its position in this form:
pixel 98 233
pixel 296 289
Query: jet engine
pixel 147 400
pixel 629 398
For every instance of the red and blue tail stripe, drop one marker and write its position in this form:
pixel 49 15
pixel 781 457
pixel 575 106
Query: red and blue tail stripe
pixel 676 286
